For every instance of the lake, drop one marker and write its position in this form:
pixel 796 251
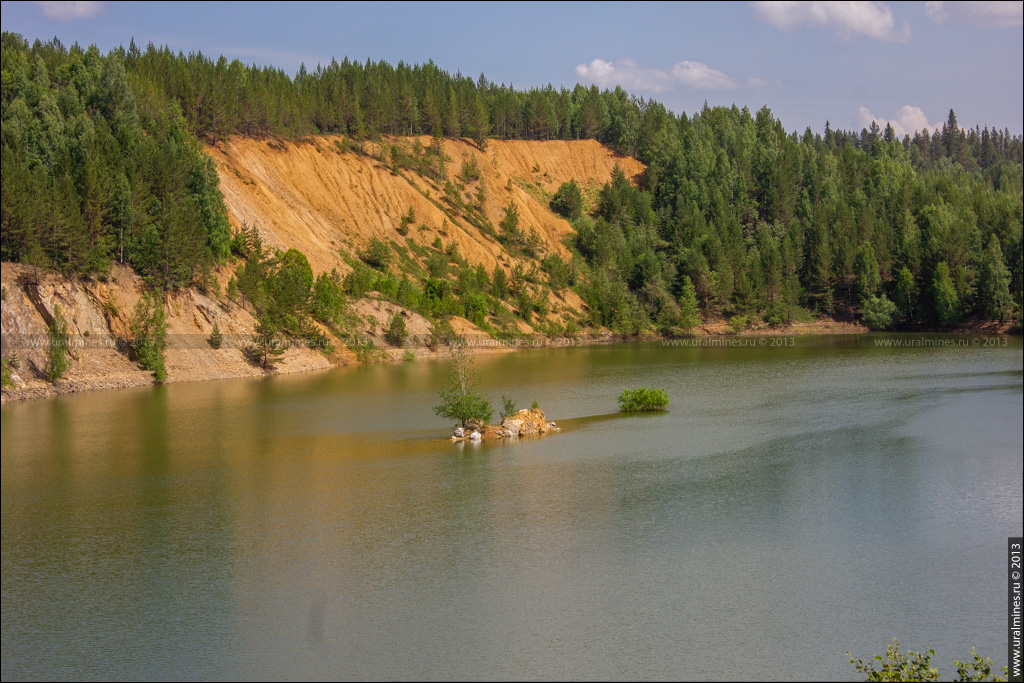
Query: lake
pixel 795 502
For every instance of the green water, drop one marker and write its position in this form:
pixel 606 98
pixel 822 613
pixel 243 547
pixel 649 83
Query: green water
pixel 793 503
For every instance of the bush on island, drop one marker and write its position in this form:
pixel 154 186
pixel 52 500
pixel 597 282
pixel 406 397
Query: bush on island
pixel 642 399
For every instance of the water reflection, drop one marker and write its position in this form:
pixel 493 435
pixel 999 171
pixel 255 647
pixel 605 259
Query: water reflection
pixel 786 508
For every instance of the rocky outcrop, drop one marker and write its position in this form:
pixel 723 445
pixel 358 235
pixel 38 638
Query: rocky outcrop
pixel 98 315
pixel 526 422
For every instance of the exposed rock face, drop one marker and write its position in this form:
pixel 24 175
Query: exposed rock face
pixel 511 426
pixel 98 314
pixel 523 423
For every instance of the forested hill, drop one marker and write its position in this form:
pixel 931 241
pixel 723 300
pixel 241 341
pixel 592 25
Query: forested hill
pixel 101 163
pixel 364 100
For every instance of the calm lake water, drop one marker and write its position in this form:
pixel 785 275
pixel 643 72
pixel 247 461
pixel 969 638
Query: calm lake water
pixel 793 503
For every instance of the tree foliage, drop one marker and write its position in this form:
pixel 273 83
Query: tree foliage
pixel 292 283
pixel 280 288
pixel 377 254
pixel 509 224
pixel 149 335
pixel 216 338
pixel 499 283
pixel 916 666
pixel 763 223
pixel 994 282
pixel 865 269
pixel 689 312
pixel 267 347
pixel 396 332
pixel 102 164
pixel 57 346
pixel 367 99
pixel 568 200
pixel 878 313
pixel 642 399
pixel 461 399
pixel 508 408
pixel 906 294
pixel 328 299
pixel 6 377
pixel 947 302
pixel 97 172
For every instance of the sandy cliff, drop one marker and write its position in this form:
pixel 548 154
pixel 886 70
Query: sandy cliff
pixel 324 201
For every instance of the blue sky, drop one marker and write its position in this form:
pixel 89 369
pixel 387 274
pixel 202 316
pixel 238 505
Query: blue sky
pixel 847 62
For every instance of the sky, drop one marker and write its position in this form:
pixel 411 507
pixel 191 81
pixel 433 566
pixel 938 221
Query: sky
pixel 810 62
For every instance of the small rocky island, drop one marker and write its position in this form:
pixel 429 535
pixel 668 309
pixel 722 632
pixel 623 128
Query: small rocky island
pixel 524 422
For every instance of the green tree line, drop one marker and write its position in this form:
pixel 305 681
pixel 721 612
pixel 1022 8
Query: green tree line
pixel 367 99
pixel 102 164
pixel 94 176
pixel 767 223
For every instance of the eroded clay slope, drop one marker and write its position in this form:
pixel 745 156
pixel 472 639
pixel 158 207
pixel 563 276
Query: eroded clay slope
pixel 316 198
pixel 326 200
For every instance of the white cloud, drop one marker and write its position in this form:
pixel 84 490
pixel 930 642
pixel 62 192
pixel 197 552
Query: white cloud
pixel 625 72
pixel 871 19
pixel 70 11
pixel 631 76
pixel 908 120
pixel 997 14
pixel 702 76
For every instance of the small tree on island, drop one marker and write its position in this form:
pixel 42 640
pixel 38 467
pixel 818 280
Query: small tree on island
pixel 460 398
pixel 508 409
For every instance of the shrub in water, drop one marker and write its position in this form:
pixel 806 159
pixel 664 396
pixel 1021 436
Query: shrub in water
pixel 642 399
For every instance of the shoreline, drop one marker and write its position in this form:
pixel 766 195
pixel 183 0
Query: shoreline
pixel 36 388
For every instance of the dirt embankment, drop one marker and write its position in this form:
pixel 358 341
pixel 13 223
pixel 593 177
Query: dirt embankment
pixel 326 202
pixel 323 201
pixel 98 315
pixel 329 203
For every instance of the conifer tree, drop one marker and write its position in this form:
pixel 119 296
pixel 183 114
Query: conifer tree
pixel 57 346
pixel 995 281
pixel 689 312
pixel 947 304
pixel 266 347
